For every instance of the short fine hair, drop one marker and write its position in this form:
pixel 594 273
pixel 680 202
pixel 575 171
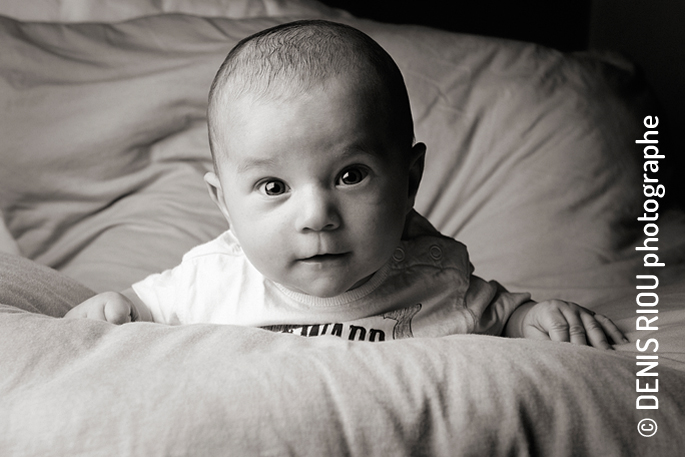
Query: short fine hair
pixel 288 59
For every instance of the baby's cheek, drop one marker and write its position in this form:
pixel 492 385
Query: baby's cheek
pixel 377 251
pixel 263 258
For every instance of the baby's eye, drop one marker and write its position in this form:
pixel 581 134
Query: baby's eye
pixel 273 187
pixel 352 176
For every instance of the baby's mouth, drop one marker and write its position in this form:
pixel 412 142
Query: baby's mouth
pixel 325 257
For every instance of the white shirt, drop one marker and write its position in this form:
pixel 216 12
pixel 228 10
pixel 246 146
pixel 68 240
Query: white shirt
pixel 425 289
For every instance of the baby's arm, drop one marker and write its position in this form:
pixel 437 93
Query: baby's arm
pixel 558 320
pixel 112 307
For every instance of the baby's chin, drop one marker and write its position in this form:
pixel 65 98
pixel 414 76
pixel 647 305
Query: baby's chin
pixel 326 289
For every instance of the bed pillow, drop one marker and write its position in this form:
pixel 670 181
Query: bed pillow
pixel 78 387
pixel 104 143
pixel 32 287
pixel 530 162
pixel 121 10
pixel 531 159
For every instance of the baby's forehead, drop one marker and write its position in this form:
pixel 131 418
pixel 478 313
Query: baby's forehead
pixel 237 106
pixel 255 133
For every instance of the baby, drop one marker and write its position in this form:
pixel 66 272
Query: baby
pixel 316 172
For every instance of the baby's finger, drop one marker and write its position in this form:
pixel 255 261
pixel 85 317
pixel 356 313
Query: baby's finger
pixel 576 328
pixel 595 332
pixel 611 330
pixel 117 313
pixel 557 326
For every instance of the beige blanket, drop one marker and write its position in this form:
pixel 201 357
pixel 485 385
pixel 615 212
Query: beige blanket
pixel 85 388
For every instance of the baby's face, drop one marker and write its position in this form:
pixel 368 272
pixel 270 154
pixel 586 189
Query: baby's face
pixel 313 187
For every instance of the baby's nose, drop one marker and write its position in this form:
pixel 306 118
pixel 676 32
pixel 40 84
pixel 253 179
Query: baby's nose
pixel 317 211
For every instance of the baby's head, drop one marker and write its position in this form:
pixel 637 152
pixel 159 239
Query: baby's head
pixel 315 167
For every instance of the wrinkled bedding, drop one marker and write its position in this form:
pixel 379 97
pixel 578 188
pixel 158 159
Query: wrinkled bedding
pixel 532 163
pixel 91 388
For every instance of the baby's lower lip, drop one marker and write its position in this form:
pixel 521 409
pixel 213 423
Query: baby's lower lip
pixel 324 258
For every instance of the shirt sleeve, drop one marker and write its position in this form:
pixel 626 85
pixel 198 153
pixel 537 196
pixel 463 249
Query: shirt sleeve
pixel 161 292
pixel 492 305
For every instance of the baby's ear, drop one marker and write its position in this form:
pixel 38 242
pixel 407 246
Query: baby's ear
pixel 416 161
pixel 216 193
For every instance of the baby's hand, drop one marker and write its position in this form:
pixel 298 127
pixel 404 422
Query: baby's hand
pixel 558 320
pixel 111 307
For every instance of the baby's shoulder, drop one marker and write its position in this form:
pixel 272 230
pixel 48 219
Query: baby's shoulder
pixel 223 246
pixel 425 244
pixel 436 250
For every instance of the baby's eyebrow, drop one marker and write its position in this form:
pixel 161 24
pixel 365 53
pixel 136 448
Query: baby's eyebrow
pixel 361 149
pixel 253 162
